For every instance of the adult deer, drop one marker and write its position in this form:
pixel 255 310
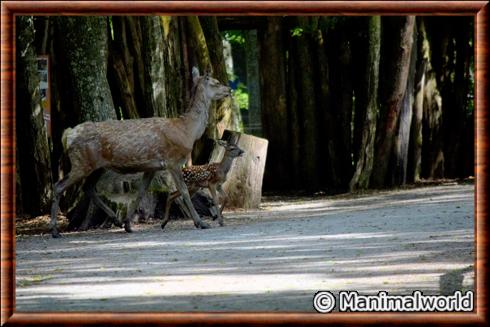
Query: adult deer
pixel 210 176
pixel 138 145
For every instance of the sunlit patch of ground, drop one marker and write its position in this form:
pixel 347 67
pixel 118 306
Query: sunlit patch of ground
pixel 273 259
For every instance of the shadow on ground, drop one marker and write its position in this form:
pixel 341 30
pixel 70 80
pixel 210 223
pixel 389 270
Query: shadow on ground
pixel 274 259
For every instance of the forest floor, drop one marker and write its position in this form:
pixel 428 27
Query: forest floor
pixel 272 259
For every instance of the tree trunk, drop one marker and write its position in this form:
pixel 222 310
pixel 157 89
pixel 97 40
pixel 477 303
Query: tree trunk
pixel 83 49
pixel 84 46
pixel 395 64
pixel 154 65
pixel 400 159
pixel 293 122
pixel 253 87
pixel 227 113
pixel 436 76
pixel 273 99
pixel 367 107
pixel 340 106
pixel 33 151
pixel 415 148
pixel 455 110
pixel 307 105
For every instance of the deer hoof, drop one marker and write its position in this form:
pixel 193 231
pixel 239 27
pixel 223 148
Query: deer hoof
pixel 56 234
pixel 164 224
pixel 203 225
pixel 221 223
pixel 127 228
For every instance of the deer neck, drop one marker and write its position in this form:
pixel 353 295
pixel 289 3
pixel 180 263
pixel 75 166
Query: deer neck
pixel 197 117
pixel 225 164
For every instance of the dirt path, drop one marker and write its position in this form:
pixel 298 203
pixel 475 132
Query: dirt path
pixel 274 259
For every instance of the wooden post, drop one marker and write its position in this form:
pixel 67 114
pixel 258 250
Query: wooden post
pixel 244 182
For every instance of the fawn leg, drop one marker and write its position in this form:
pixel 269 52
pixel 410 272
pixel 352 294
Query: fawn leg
pixel 58 189
pixel 145 182
pixel 182 187
pixel 224 197
pixel 171 197
pixel 212 189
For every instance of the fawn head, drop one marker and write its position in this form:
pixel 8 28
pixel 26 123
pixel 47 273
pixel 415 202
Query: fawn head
pixel 212 87
pixel 231 150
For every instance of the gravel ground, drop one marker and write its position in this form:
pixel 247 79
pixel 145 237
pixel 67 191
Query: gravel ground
pixel 273 259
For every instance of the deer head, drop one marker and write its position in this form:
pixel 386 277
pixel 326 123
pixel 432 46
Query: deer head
pixel 211 86
pixel 231 150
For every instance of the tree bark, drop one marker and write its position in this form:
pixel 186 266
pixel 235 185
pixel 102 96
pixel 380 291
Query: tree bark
pixel 253 87
pixel 307 104
pixel 367 107
pixel 416 139
pixel 33 151
pixel 399 171
pixel 437 74
pixel 227 113
pixel 83 49
pixel 84 46
pixel 320 59
pixel 395 63
pixel 340 106
pixel 273 99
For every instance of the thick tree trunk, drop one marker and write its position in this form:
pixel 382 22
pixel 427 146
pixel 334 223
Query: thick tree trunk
pixel 455 110
pixel 253 85
pixel 227 113
pixel 367 107
pixel 84 46
pixel 293 122
pixel 33 152
pixel 415 148
pixel 340 107
pixel 400 157
pixel 320 60
pixel 273 99
pixel 83 49
pixel 154 65
pixel 437 74
pixel 395 63
pixel 307 105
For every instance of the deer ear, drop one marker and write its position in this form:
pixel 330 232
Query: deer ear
pixel 195 74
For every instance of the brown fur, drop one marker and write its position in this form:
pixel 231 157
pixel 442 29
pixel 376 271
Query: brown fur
pixel 139 145
pixel 210 176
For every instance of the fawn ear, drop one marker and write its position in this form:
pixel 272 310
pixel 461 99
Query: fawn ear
pixel 195 74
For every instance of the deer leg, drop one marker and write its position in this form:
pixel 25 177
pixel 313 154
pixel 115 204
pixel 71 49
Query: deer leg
pixel 224 198
pixel 90 189
pixel 145 182
pixel 182 187
pixel 58 189
pixel 212 189
pixel 170 199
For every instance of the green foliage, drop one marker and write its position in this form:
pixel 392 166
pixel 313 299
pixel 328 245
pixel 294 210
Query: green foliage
pixel 241 96
pixel 234 37
pixel 111 28
pixel 296 31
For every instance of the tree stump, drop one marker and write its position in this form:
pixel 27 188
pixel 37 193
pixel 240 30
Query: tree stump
pixel 244 182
